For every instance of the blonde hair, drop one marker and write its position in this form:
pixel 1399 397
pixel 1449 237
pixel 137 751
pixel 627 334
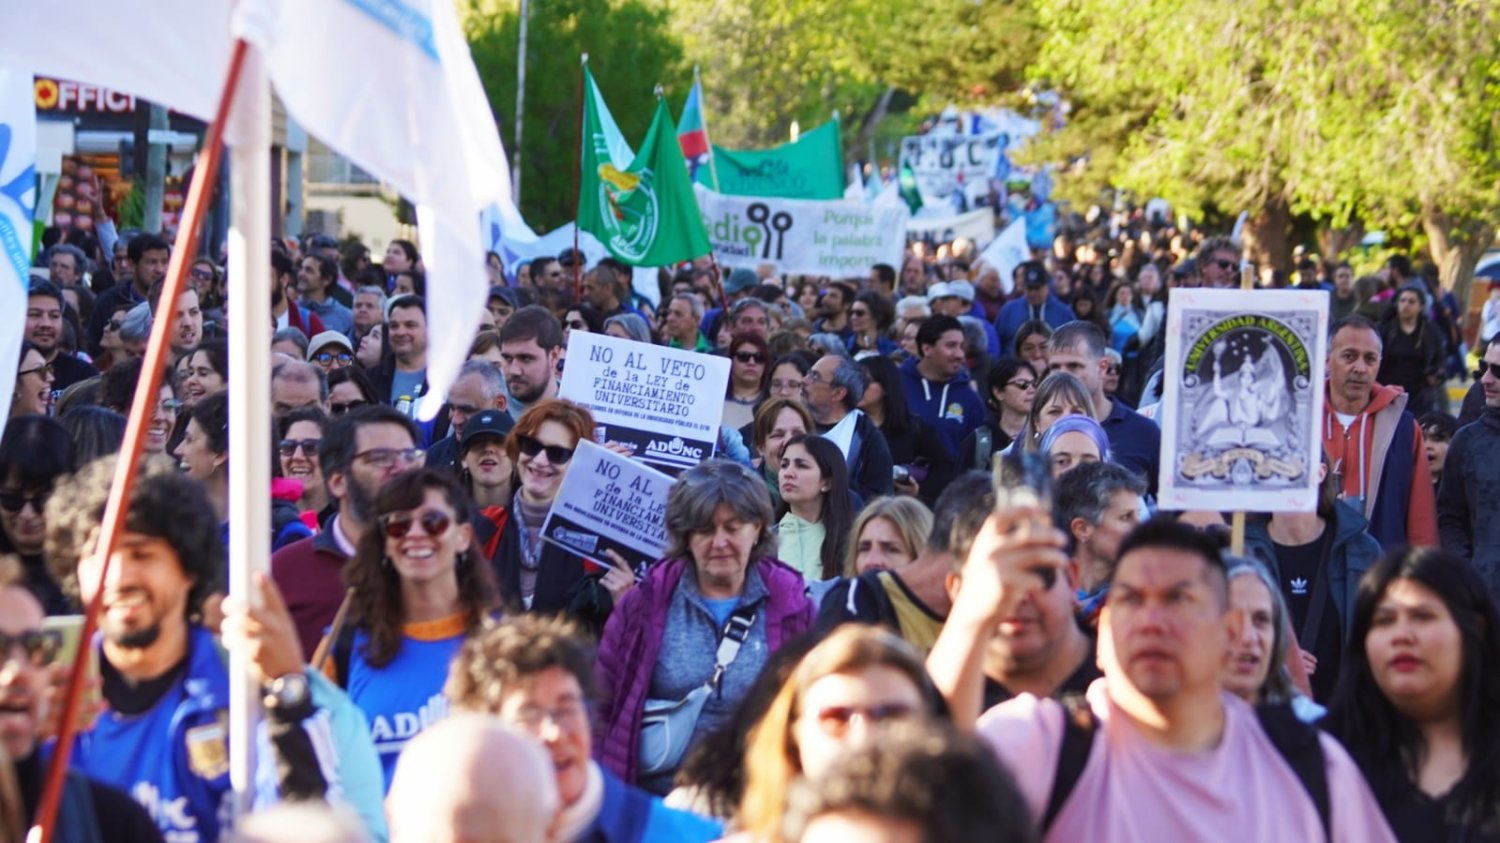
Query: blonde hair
pixel 912 518
pixel 772 758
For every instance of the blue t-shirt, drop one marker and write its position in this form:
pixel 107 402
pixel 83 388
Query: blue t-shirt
pixel 408 384
pixel 722 608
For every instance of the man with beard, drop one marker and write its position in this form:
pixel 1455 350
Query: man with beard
pixel 531 343
pixel 360 452
pixel 162 736
pixel 283 308
pixel 44 324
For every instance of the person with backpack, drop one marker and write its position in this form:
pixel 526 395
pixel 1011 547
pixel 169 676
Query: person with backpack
pixel 1180 758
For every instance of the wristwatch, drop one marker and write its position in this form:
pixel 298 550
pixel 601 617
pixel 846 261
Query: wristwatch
pixel 288 692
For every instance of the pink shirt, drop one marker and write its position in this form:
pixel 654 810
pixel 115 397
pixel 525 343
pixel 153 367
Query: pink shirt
pixel 1135 790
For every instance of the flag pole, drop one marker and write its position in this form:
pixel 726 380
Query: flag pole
pixel 713 165
pixel 147 396
pixel 577 180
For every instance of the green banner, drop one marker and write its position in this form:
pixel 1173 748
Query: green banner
pixel 811 167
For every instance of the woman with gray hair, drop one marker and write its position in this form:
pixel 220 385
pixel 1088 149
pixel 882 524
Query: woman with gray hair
pixel 628 326
pixel 1258 670
pixel 683 647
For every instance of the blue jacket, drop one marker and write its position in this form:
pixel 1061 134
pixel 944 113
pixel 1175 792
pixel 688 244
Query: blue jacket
pixel 952 409
pixel 1469 497
pixel 1017 312
pixel 1134 442
pixel 629 815
pixel 1354 551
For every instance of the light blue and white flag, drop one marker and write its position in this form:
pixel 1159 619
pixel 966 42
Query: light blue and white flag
pixel 1007 252
pixel 17 207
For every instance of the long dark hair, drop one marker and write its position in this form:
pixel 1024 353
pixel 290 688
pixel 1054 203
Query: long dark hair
pixel 882 370
pixel 837 512
pixel 1387 745
pixel 376 603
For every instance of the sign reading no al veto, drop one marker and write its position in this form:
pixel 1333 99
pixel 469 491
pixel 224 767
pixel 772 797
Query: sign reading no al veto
pixel 666 403
pixel 609 502
pixel 802 237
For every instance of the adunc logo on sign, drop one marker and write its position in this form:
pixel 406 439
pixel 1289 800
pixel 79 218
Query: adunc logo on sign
pixel 676 451
pixel 628 206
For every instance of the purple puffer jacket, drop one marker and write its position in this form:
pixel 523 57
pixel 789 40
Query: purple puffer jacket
pixel 632 639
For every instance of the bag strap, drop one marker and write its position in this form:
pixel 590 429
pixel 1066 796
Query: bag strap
pixel 1299 745
pixel 736 630
pixel 1079 726
pixel 984 443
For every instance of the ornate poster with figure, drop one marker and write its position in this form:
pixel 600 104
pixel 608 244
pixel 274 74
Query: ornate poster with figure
pixel 1242 398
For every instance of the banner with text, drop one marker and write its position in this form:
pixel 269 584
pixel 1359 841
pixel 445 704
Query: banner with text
pixel 978 226
pixel 609 502
pixel 803 237
pixel 666 403
pixel 944 164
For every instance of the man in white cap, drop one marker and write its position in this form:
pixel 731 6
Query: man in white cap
pixel 330 350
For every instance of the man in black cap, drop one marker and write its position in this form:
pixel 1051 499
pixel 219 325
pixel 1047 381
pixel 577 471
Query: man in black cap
pixel 1038 303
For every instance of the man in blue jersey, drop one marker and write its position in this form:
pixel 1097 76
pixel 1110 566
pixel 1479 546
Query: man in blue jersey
pixel 164 735
pixel 536 673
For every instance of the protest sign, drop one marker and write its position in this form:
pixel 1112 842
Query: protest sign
pixel 978 226
pixel 609 502
pixel 802 237
pixel 666 403
pixel 943 164
pixel 1243 400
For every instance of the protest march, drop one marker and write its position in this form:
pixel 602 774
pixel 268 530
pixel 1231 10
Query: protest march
pixel 892 482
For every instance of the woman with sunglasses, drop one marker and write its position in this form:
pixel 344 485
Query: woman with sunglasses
pixel 298 435
pixel 1416 702
pixel 749 372
pixel 34 379
pixel 855 680
pixel 1010 390
pixel 870 319
pixel 34 452
pixel 349 388
pixel 111 347
pixel 419 588
pixel 539 576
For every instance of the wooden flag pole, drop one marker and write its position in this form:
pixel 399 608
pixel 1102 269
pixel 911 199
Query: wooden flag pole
pixel 577 182
pixel 1237 518
pixel 147 395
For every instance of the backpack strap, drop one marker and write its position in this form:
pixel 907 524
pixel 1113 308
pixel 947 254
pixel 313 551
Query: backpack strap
pixel 343 652
pixel 1300 747
pixel 1079 726
pixel 984 443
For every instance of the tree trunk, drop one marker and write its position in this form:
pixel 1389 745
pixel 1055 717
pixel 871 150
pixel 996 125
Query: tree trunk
pixel 871 121
pixel 1456 248
pixel 1333 242
pixel 1266 241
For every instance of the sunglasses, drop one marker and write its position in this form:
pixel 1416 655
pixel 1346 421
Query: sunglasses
pixel 432 522
pixel 834 720
pixel 40 646
pixel 113 325
pixel 1492 368
pixel 578 324
pixel 859 311
pixel 170 406
pixel 1111 370
pixel 341 408
pixel 15 501
pixel 1022 385
pixel 749 357
pixel 1226 265
pixel 288 447
pixel 530 446
pixel 327 357
pixel 45 370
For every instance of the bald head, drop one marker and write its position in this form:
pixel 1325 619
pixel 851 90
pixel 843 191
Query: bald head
pixel 472 779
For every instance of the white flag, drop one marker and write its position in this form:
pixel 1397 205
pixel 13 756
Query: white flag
pixel 1007 252
pixel 17 203
pixel 392 87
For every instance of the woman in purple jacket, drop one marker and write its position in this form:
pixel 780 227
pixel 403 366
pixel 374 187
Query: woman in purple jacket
pixel 673 638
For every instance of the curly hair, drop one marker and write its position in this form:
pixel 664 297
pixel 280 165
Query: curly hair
pixel 375 602
pixel 166 504
pixel 490 665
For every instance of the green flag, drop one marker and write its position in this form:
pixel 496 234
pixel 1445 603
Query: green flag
pixel 640 205
pixel 907 179
pixel 811 167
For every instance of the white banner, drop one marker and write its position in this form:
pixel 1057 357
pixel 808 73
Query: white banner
pixel 1243 404
pixel 978 226
pixel 17 205
pixel 1007 252
pixel 609 502
pixel 944 164
pixel 803 237
pixel 666 403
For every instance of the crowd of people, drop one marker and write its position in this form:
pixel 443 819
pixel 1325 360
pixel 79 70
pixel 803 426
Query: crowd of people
pixel 849 637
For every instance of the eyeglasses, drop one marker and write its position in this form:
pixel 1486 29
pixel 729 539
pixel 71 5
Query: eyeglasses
pixel 530 446
pixel 15 501
pixel 288 447
pixel 1226 265
pixel 432 522
pixel 578 324
pixel 749 357
pixel 387 457
pixel 834 720
pixel 39 645
pixel 532 717
pixel 785 386
pixel 45 370
pixel 1111 370
pixel 341 408
pixel 327 357
pixel 170 406
pixel 1492 368
pixel 1022 385
pixel 859 311
pixel 202 274
pixel 113 325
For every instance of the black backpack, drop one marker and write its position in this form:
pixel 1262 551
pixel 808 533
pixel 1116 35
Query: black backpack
pixel 1296 741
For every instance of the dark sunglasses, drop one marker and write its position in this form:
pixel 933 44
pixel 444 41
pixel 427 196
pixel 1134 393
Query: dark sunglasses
pixel 39 645
pixel 859 311
pixel 45 370
pixel 556 454
pixel 1226 265
pixel 1022 385
pixel 288 447
pixel 749 357
pixel 340 409
pixel 1492 368
pixel 113 325
pixel 432 522
pixel 15 501
pixel 327 357
pixel 578 325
